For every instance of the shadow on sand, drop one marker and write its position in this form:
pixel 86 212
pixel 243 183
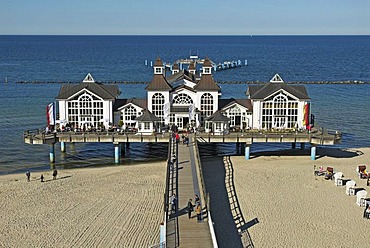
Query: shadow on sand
pixel 229 223
pixel 321 152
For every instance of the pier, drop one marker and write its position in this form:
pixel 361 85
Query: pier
pixel 184 178
pixel 247 138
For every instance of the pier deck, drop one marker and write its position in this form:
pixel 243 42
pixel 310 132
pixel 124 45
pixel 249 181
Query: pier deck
pixel 191 233
pixel 248 137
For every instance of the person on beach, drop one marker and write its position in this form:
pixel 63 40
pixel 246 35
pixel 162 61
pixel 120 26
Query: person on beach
pixel 190 208
pixel 28 174
pixel 198 211
pixel 42 178
pixel 55 173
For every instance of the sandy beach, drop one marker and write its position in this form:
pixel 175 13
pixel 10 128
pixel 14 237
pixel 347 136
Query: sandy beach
pixel 274 197
pixel 91 207
pixel 283 204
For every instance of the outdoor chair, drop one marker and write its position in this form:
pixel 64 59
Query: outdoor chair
pixel 329 173
pixel 338 179
pixel 361 198
pixel 350 187
pixel 361 170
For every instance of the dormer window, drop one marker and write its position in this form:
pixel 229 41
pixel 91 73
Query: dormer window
pixel 207 70
pixel 158 70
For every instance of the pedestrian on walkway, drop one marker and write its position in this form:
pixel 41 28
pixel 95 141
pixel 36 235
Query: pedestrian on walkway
pixel 190 208
pixel 198 211
pixel 42 178
pixel 197 199
pixel 173 202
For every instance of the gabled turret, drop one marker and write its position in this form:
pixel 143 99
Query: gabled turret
pixel 158 67
pixel 175 68
pixel 207 67
pixel 192 68
pixel 159 81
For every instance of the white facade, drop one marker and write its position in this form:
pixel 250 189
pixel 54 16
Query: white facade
pixel 186 101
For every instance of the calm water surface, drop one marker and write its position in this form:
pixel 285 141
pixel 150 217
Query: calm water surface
pixel 121 58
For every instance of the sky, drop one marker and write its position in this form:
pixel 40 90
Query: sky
pixel 189 17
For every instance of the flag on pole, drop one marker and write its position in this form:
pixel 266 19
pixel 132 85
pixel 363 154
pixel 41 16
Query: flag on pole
pixel 306 114
pixel 191 112
pixel 50 114
pixel 166 110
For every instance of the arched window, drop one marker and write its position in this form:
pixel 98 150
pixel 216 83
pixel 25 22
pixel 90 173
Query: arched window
pixel 279 112
pixel 85 109
pixel 235 116
pixel 206 105
pixel 129 116
pixel 157 105
pixel 280 105
pixel 182 99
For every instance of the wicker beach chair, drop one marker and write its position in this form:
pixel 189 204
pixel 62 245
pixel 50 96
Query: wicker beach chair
pixel 338 179
pixel 350 187
pixel 361 198
pixel 329 173
pixel 361 170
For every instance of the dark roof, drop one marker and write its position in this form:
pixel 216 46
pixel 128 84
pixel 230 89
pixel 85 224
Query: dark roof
pixel 158 82
pixel 175 66
pixel 183 74
pixel 158 62
pixel 224 103
pixel 182 86
pixel 192 66
pixel 207 62
pixel 142 103
pixel 107 92
pixel 147 116
pixel 206 82
pixel 218 117
pixel 263 91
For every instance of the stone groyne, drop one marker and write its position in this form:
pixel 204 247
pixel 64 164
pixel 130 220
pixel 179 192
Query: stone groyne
pixel 219 82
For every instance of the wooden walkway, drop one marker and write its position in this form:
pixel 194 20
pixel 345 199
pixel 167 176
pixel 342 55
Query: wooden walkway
pixel 191 233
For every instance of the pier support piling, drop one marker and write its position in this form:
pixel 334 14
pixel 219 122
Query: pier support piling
pixel 52 154
pixel 237 148
pixel 123 150
pixel 313 152
pixel 62 146
pixel 293 145
pixel 302 146
pixel 116 153
pixel 247 152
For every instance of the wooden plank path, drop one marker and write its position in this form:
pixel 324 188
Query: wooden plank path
pixel 191 232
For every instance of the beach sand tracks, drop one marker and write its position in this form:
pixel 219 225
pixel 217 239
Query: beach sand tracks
pixel 98 207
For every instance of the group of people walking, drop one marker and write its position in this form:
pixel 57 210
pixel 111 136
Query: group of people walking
pixel 189 208
pixel 28 175
pixel 198 208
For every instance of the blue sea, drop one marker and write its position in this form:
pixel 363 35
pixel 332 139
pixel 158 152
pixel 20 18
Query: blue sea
pixel 343 107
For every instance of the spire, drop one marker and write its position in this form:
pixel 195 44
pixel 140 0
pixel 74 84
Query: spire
pixel 175 68
pixel 192 68
pixel 207 67
pixel 158 67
